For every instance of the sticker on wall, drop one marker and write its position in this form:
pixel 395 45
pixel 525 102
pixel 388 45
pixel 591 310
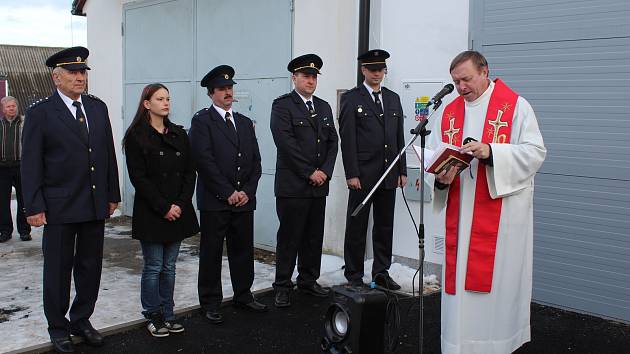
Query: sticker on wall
pixel 421 108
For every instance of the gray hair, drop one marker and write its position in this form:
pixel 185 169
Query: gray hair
pixel 7 99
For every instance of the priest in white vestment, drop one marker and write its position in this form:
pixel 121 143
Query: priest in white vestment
pixel 487 273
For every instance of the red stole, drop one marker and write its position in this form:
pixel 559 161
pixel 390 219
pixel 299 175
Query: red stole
pixel 487 211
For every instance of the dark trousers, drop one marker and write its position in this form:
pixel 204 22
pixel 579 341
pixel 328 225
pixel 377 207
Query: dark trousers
pixel 300 236
pixel 10 178
pixel 237 229
pixel 71 249
pixel 383 202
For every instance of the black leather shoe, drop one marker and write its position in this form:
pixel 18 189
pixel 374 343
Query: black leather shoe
pixel 4 237
pixel 214 316
pixel 91 336
pixel 62 344
pixel 385 281
pixel 315 290
pixel 282 298
pixel 25 237
pixel 253 306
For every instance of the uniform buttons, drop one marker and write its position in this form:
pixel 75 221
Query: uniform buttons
pixel 318 141
pixel 239 154
pixel 318 154
pixel 238 182
pixel 385 146
pixel 385 160
pixel 177 153
pixel 161 153
pixel 89 149
pixel 92 168
pixel 93 186
pixel 238 168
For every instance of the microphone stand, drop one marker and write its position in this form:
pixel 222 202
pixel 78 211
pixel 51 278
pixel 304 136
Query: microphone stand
pixel 419 131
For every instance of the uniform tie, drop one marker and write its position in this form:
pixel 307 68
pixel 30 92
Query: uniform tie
pixel 377 100
pixel 81 119
pixel 311 110
pixel 230 125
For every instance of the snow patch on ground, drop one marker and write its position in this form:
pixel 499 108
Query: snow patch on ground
pixel 119 298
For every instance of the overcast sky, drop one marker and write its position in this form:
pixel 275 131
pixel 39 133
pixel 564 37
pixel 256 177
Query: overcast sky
pixel 41 23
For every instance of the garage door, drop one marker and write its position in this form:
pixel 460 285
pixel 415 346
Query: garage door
pixel 571 60
pixel 177 42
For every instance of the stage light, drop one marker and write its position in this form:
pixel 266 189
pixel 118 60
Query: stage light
pixel 354 321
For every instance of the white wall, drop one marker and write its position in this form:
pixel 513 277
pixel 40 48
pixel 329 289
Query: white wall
pixel 329 28
pixel 421 43
pixel 422 38
pixel 104 40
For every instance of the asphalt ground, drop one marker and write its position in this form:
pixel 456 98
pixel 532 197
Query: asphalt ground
pixel 299 329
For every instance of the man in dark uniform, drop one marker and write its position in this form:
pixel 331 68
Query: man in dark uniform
pixel 371 129
pixel 305 136
pixel 70 185
pixel 225 151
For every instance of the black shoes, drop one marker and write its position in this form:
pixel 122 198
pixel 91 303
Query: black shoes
pixel 62 344
pixel 282 298
pixel 214 316
pixel 4 237
pixel 25 237
pixel 91 336
pixel 315 290
pixel 252 306
pixel 385 281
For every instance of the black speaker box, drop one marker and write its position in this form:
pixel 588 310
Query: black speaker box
pixel 366 320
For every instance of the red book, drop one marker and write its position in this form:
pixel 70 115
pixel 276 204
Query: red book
pixel 444 158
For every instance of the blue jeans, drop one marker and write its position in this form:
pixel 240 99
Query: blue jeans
pixel 158 278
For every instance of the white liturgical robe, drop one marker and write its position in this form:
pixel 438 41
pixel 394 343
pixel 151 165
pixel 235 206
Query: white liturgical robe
pixel 498 321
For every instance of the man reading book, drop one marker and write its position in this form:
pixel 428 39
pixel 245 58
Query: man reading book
pixel 487 278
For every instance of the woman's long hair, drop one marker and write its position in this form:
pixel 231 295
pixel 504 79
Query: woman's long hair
pixel 142 114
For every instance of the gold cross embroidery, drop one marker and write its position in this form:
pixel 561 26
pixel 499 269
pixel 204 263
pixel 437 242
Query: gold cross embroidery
pixel 451 130
pixel 496 125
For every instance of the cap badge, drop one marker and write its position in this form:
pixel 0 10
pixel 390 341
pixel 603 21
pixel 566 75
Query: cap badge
pixel 78 58
pixel 376 53
pixel 312 65
pixel 226 76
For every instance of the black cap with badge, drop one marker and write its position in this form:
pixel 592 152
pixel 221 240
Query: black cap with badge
pixel 69 59
pixel 307 63
pixel 374 59
pixel 218 77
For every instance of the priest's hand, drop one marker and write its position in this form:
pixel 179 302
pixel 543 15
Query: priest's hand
pixel 447 177
pixel 354 183
pixel 479 150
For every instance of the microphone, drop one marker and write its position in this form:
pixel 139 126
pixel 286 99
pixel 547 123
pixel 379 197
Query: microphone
pixel 437 99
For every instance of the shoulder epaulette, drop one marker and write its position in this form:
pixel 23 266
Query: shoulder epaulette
pixel 200 111
pixel 283 96
pixel 38 102
pixel 94 97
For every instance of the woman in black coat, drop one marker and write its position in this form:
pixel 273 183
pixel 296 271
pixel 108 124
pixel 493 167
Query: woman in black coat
pixel 162 172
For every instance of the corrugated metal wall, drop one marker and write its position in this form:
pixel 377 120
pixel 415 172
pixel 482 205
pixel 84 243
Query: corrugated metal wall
pixel 571 60
pixel 25 71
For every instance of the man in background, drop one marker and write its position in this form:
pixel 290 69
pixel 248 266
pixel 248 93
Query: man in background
pixel 10 156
